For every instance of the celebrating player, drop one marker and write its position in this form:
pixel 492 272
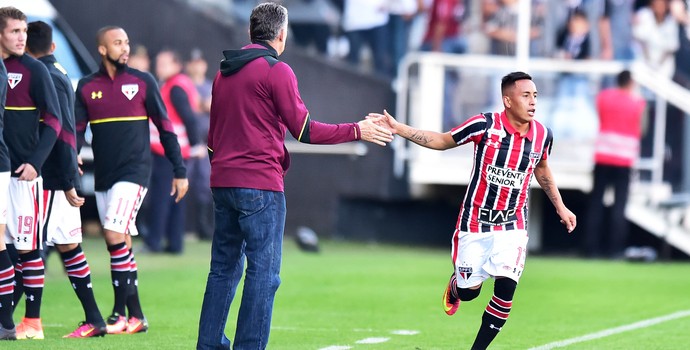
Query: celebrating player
pixel 490 239
pixel 117 101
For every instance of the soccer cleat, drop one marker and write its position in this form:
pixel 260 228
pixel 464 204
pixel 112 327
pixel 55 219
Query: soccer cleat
pixel 8 334
pixel 116 324
pixel 30 328
pixel 87 330
pixel 450 302
pixel 135 325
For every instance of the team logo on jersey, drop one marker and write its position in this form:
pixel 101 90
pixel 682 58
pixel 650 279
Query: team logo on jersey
pixel 13 79
pixel 505 177
pixel 130 90
pixel 534 155
pixel 493 143
pixel 465 272
pixel 96 95
pixel 499 133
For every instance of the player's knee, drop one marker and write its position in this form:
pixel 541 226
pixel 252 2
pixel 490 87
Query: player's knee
pixel 64 248
pixel 467 294
pixel 504 288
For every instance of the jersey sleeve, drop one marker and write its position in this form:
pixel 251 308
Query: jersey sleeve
pixel 81 115
pixel 65 146
pixel 43 94
pixel 294 114
pixel 470 131
pixel 548 144
pixel 156 111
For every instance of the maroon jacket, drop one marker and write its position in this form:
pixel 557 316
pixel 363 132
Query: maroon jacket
pixel 255 101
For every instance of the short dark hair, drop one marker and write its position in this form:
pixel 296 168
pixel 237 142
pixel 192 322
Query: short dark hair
pixel 266 21
pixel 624 78
pixel 509 80
pixel 10 12
pixel 578 12
pixel 39 37
pixel 101 33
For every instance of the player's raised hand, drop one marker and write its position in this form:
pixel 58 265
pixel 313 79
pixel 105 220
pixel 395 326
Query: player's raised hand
pixel 179 189
pixel 26 172
pixel 568 219
pixel 374 133
pixel 73 198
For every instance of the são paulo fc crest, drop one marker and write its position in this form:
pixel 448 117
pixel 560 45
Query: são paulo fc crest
pixel 13 79
pixel 465 272
pixel 130 90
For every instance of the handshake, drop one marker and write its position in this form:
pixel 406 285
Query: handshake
pixel 378 128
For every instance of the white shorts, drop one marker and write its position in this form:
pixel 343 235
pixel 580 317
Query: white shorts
pixel 479 256
pixel 23 214
pixel 61 221
pixel 4 196
pixel 118 207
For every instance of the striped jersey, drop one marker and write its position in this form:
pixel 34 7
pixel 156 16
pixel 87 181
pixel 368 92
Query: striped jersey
pixel 118 111
pixel 504 161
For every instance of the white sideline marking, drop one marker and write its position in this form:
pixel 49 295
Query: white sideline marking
pixel 373 340
pixel 302 329
pixel 611 331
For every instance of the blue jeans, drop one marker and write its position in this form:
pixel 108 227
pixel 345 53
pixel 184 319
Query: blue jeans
pixel 248 222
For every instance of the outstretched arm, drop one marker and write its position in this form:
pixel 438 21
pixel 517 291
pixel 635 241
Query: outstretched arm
pixel 426 138
pixel 545 180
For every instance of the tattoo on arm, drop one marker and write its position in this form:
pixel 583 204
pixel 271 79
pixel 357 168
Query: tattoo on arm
pixel 419 137
pixel 549 188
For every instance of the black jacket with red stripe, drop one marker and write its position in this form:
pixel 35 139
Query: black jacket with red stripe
pixel 118 112
pixel 31 98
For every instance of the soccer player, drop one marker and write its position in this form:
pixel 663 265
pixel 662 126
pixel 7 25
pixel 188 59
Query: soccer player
pixel 61 217
pixel 31 98
pixel 118 101
pixel 490 238
pixel 7 329
pixel 255 102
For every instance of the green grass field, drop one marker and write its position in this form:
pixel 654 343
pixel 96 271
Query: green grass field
pixel 352 292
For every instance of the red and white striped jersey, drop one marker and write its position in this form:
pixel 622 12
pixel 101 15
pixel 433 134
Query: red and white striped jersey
pixel 504 161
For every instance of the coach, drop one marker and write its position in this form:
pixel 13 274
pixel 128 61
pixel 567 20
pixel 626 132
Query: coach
pixel 255 100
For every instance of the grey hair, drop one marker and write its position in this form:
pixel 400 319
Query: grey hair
pixel 266 21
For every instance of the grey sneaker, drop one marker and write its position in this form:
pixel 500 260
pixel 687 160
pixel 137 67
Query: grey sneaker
pixel 8 334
